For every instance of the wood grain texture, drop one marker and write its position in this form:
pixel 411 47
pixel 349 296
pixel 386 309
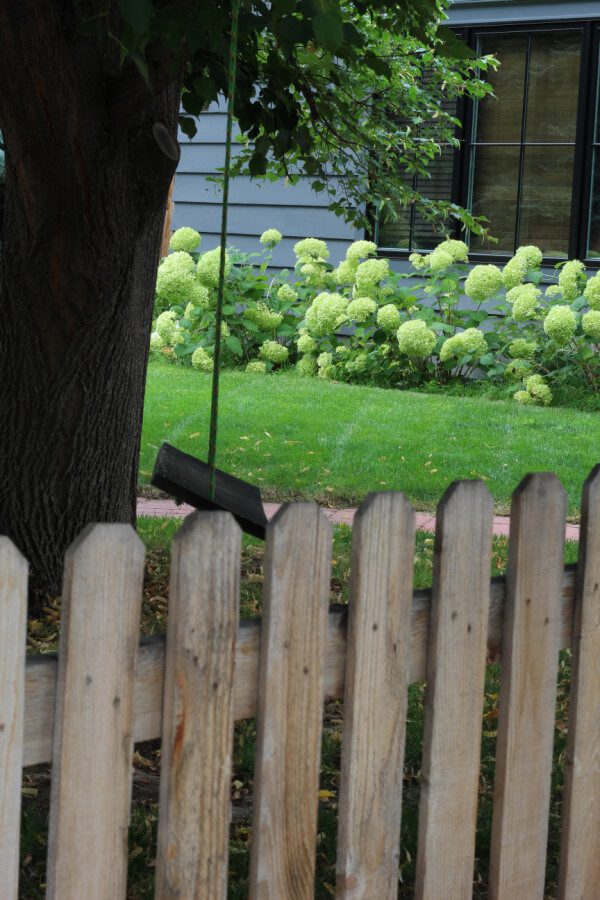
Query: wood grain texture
pixel 13 624
pixel 375 700
pixel 579 874
pixel 40 673
pixel 195 786
pixel 290 706
pixel 455 685
pixel 93 737
pixel 528 690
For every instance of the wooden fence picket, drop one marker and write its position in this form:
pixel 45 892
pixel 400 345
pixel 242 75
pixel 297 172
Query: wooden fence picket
pixel 375 700
pixel 290 704
pixel 528 689
pixel 580 844
pixel 455 684
pixel 93 738
pixel 195 787
pixel 13 623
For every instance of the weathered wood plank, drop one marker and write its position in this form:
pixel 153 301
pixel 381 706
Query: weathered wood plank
pixel 290 705
pixel 375 699
pixel 579 876
pixel 195 786
pixel 455 686
pixel 13 624
pixel 91 777
pixel 528 690
pixel 40 674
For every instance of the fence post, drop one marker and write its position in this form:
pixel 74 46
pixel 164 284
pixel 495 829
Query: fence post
pixel 92 756
pixel 195 781
pixel 456 657
pixel 375 698
pixel 13 624
pixel 290 704
pixel 580 844
pixel 531 640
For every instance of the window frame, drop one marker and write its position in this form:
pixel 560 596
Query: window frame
pixel 589 95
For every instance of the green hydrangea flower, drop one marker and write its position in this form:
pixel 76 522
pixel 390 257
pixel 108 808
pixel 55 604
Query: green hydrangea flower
pixel 186 239
pixel 360 250
pixel 531 256
pixel 287 294
pixel 560 324
pixel 156 342
pixel 306 344
pixel 416 339
pixel 326 313
pixel 307 366
pixel 208 267
pixel 202 360
pixel 523 290
pixel 524 306
pixel 417 260
pixel 345 273
pixel 342 351
pixel 311 248
pixel 324 359
pixel 357 365
pixel 388 317
pixel 360 309
pixel 470 341
pixel 517 369
pixel 274 352
pixel 315 274
pixel 270 237
pixel 590 322
pixel 514 272
pixel 522 349
pixel 175 278
pixel 569 279
pixel 439 259
pixel 263 317
pixel 457 250
pixel 256 367
pixel 538 390
pixel 370 272
pixel 592 292
pixel 166 326
pixel 483 282
pixel 523 397
pixel 553 290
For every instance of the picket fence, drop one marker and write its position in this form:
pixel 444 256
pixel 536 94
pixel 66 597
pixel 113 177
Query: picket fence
pixel 84 711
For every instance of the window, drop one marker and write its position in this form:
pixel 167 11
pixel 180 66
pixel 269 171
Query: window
pixel 530 156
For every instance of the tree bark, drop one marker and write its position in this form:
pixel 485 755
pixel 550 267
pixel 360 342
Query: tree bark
pixel 86 189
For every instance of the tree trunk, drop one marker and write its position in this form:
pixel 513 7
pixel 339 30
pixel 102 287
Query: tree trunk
pixel 86 190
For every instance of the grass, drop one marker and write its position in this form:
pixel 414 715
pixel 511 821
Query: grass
pixel 157 535
pixel 334 442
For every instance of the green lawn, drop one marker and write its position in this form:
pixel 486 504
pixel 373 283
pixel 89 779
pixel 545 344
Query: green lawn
pixel 335 443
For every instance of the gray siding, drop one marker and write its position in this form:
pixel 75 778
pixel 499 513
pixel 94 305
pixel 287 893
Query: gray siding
pixel 497 12
pixel 254 205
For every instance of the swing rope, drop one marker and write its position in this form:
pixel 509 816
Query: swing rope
pixel 214 405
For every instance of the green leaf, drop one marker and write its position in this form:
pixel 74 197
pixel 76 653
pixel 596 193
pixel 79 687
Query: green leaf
pixel 487 359
pixel 257 165
pixel 234 345
pixel 329 29
pixel 137 14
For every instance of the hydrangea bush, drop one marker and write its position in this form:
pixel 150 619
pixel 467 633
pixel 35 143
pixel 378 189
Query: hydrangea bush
pixel 358 321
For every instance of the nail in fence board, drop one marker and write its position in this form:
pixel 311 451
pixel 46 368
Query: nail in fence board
pixel 375 699
pixel 93 733
pixel 13 622
pixel 580 840
pixel 197 744
pixel 528 689
pixel 290 704
pixel 455 685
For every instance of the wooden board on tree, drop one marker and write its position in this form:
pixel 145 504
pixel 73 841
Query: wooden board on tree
pixel 188 480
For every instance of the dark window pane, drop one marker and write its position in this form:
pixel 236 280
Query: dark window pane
pixel 546 199
pixel 500 117
pixel 553 88
pixel 494 192
pixel 594 231
pixel 437 187
pixel 396 235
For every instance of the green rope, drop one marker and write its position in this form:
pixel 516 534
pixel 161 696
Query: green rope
pixel 214 405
